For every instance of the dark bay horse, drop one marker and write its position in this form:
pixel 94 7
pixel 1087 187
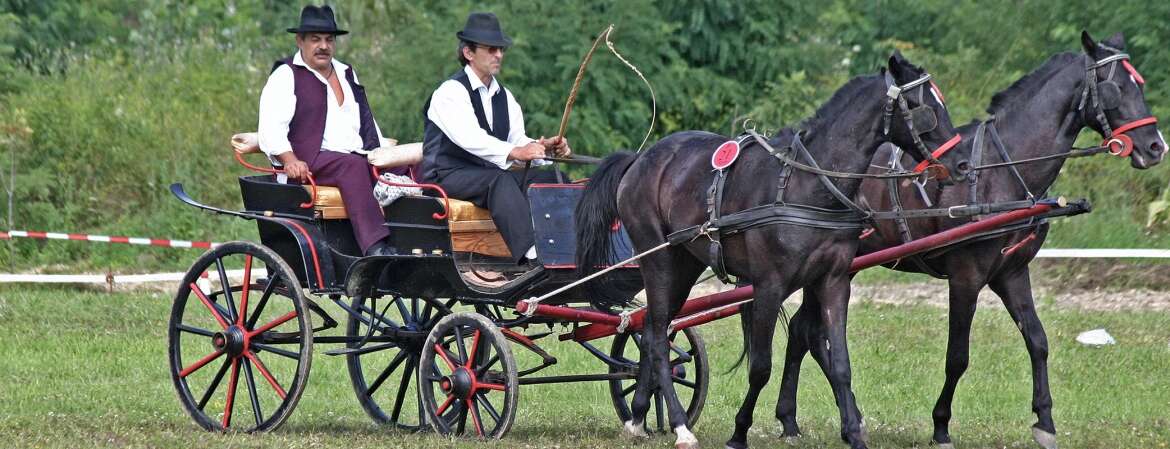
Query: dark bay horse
pixel 1039 115
pixel 663 190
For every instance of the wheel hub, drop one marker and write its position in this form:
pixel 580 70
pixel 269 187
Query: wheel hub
pixel 232 341
pixel 459 383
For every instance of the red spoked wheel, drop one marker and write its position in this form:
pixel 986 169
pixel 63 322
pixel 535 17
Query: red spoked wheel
pixel 690 371
pixel 384 370
pixel 467 378
pixel 253 329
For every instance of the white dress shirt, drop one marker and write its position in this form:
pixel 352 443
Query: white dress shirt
pixel 452 112
pixel 278 101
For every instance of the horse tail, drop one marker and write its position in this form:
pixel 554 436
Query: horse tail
pixel 745 325
pixel 596 214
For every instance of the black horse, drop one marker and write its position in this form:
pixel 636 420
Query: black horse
pixel 1040 115
pixel 664 190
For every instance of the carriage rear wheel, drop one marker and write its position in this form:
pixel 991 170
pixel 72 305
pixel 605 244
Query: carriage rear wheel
pixel 240 314
pixel 384 378
pixel 467 377
pixel 689 368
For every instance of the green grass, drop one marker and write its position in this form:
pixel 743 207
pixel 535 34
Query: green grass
pixel 87 369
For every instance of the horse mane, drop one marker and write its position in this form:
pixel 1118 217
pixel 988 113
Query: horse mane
pixel 1031 82
pixel 831 109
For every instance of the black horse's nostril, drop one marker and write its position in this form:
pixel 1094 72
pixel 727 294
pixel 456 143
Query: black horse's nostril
pixel 1156 148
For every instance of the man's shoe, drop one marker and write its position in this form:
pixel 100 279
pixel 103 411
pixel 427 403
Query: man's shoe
pixel 382 248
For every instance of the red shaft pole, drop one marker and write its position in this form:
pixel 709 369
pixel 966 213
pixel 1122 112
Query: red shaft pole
pixel 607 326
pixel 949 236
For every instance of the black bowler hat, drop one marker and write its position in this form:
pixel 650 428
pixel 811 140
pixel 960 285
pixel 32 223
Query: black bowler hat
pixel 318 19
pixel 484 28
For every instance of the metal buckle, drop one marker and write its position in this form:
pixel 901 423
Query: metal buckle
pixel 894 92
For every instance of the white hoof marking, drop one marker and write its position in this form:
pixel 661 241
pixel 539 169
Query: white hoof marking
pixel 686 439
pixel 630 429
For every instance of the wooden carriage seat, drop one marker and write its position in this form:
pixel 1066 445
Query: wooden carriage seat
pixel 472 228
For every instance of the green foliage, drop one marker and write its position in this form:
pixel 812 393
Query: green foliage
pixel 123 97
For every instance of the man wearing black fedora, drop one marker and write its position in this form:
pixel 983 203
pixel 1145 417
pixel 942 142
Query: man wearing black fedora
pixel 315 120
pixel 475 135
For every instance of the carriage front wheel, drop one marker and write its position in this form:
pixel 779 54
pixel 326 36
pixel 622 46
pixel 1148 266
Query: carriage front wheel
pixel 240 314
pixel 689 370
pixel 467 377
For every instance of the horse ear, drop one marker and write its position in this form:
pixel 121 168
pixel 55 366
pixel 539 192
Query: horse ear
pixel 897 65
pixel 1117 40
pixel 1088 42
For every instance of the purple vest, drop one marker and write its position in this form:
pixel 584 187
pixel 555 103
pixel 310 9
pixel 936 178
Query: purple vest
pixel 307 128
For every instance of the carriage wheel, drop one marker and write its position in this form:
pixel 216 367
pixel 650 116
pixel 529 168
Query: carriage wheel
pixel 386 377
pixel 690 371
pixel 225 330
pixel 468 378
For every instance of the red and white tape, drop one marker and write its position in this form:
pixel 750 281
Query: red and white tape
pixel 170 243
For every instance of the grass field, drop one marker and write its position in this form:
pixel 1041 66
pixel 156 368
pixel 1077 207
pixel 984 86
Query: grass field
pixel 88 369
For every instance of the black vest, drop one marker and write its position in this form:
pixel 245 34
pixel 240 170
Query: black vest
pixel 440 154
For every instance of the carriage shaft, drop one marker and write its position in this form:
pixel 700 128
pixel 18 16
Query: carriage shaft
pixel 708 308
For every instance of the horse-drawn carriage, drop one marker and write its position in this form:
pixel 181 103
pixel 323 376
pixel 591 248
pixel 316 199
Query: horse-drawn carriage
pixel 428 337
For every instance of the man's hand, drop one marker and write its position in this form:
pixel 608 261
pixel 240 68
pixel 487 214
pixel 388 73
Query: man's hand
pixel 531 151
pixel 559 146
pixel 293 167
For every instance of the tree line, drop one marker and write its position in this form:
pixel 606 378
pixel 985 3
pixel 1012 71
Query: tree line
pixel 106 102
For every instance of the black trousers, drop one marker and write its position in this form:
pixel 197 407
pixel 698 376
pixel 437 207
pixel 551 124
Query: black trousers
pixel 502 193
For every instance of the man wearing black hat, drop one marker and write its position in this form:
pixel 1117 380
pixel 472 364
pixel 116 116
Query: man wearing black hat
pixel 475 134
pixel 315 120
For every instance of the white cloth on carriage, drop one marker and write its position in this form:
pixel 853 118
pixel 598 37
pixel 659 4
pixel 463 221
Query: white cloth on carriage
pixel 386 194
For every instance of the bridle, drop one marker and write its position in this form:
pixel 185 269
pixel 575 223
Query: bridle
pixel 919 120
pixel 1118 143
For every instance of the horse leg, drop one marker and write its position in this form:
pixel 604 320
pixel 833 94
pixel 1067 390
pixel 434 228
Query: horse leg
pixel 963 300
pixel 1014 287
pixel 833 293
pixel 674 274
pixel 640 405
pixel 803 331
pixel 764 311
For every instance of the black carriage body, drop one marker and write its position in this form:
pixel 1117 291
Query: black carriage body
pixel 323 252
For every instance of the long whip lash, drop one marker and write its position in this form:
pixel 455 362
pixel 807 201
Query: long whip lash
pixel 581 75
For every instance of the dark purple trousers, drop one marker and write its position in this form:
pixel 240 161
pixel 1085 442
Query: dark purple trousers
pixel 351 174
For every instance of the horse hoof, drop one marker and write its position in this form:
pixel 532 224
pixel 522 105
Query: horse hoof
pixel 1044 439
pixel 946 446
pixel 686 439
pixel 791 440
pixel 632 430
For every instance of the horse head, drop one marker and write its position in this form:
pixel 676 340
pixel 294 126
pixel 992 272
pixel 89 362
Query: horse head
pixel 1114 103
pixel 916 119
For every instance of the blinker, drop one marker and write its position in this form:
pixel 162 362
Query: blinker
pixel 924 119
pixel 1109 94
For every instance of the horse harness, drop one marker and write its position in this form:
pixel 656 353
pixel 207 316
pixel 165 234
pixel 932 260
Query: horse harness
pixel 918 120
pixel 1103 95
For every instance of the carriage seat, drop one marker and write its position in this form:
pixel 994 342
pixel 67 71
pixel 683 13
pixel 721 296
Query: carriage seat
pixel 472 228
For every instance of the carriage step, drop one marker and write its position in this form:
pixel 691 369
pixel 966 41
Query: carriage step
pixel 360 350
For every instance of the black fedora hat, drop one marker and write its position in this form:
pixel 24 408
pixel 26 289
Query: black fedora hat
pixel 484 28
pixel 317 19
